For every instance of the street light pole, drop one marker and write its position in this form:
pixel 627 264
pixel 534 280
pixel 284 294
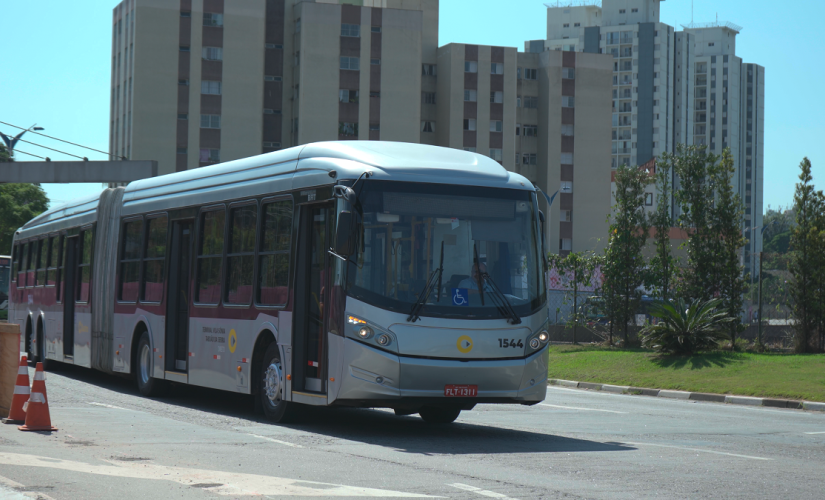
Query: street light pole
pixel 12 141
pixel 759 330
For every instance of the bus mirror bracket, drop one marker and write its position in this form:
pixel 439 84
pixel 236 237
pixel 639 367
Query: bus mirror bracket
pixel 345 234
pixel 344 192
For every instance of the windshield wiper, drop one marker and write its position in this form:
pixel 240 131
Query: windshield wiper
pixel 502 304
pixel 435 279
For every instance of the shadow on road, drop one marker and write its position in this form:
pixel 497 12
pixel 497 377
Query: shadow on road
pixel 408 434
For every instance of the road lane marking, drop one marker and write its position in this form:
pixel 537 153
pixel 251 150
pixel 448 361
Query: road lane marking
pixel 815 432
pixel 583 409
pixel 479 491
pixel 276 441
pixel 232 484
pixel 20 486
pixel 699 450
pixel 107 406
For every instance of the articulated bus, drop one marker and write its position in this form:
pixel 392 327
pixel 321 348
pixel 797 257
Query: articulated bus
pixel 361 274
pixel 5 271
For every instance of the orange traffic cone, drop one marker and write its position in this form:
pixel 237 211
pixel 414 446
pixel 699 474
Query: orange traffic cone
pixel 17 415
pixel 37 407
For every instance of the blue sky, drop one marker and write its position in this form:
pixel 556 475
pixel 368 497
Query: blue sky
pixel 56 70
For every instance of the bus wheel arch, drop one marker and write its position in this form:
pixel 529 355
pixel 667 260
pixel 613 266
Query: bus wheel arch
pixel 137 332
pixel 265 338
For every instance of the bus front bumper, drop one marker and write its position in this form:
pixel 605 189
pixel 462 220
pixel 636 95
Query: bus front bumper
pixel 371 375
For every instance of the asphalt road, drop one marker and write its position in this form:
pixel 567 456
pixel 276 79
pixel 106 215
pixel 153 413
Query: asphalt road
pixel 199 443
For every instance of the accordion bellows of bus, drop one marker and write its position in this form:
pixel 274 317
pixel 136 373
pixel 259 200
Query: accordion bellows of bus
pixel 364 274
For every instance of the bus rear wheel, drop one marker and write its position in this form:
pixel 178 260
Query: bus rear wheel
pixel 435 415
pixel 271 388
pixel 146 384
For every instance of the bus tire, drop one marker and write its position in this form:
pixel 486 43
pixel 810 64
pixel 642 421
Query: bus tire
pixel 31 353
pixel 270 388
pixel 146 384
pixel 435 415
pixel 48 364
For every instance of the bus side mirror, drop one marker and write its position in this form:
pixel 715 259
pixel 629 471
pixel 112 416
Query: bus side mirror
pixel 345 234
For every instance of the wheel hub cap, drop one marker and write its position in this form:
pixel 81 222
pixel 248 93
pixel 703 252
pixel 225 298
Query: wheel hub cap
pixel 272 383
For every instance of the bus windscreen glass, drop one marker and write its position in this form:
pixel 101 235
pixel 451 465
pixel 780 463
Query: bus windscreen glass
pixel 400 246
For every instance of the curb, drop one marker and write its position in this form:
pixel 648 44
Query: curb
pixel 692 396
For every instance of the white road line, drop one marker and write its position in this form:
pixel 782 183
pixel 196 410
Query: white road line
pixel 582 409
pixel 276 441
pixel 107 406
pixel 479 491
pixel 815 433
pixel 696 449
pixel 29 494
pixel 232 484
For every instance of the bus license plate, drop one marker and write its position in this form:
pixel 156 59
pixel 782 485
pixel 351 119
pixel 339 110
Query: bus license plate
pixel 460 391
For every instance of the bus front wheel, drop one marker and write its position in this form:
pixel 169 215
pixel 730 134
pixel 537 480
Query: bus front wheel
pixel 147 385
pixel 271 387
pixel 435 415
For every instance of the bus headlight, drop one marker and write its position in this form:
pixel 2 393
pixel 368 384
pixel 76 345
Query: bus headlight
pixel 544 336
pixel 384 340
pixel 365 332
pixel 534 343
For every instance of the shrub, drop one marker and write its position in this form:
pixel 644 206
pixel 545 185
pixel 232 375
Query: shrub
pixel 686 329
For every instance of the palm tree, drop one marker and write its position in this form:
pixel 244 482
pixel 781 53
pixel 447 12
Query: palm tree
pixel 686 329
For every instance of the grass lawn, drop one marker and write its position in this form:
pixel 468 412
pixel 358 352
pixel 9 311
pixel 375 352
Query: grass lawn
pixel 793 376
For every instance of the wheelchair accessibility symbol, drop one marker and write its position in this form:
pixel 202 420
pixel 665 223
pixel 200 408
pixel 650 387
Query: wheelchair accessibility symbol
pixel 461 297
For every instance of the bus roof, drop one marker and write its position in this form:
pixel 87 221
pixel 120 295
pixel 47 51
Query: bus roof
pixel 390 160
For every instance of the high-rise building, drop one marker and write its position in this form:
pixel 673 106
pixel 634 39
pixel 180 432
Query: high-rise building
pixel 196 82
pixel 672 87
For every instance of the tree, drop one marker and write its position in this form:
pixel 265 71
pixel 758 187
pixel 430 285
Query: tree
pixel 804 245
pixel 624 264
pixel 727 215
pixel 579 269
pixel 662 267
pixel 4 154
pixel 19 203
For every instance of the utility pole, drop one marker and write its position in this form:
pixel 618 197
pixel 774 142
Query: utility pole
pixel 759 331
pixel 12 141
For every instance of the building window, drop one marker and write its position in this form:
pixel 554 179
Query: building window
pixel 428 97
pixel 297 58
pixel 270 111
pixel 211 121
pixel 496 68
pixel 469 124
pixel 348 95
pixel 470 95
pixel 568 73
pixel 350 63
pixel 213 53
pixel 496 125
pixel 470 150
pixel 648 199
pixel 470 66
pixel 268 144
pixel 375 127
pixel 269 78
pixel 375 62
pixel 212 19
pixel 634 10
pixel 567 130
pixel 348 129
pixel 376 29
pixel 183 116
pixel 566 215
pixel 497 97
pixel 210 87
pixel 566 186
pixel 181 151
pixel 622 11
pixel 518 101
pixel 428 126
pixel 565 244
pixel 576 25
pixel 297 25
pixel 183 82
pixel 530 130
pixel 528 159
pixel 186 14
pixel 530 74
pixel 375 94
pixel 183 48
pixel 567 101
pixel 351 30
pixel 274 46
pixel 210 155
pixel 711 44
pixel 273 253
pixel 565 25
pixel 428 69
pixel 495 154
pixel 531 102
pixel 210 257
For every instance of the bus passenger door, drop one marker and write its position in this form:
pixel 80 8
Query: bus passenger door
pixel 69 294
pixel 311 292
pixel 177 307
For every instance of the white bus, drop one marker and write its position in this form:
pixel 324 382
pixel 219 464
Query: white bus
pixel 342 273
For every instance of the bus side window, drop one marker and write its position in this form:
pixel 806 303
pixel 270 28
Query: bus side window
pixel 42 256
pixel 154 260
pixel 15 253
pixel 273 253
pixel 240 260
pixel 85 266
pixel 51 268
pixel 30 256
pixel 61 266
pixel 130 260
pixel 210 257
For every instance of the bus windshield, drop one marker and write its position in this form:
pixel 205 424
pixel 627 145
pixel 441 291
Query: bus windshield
pixel 409 229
